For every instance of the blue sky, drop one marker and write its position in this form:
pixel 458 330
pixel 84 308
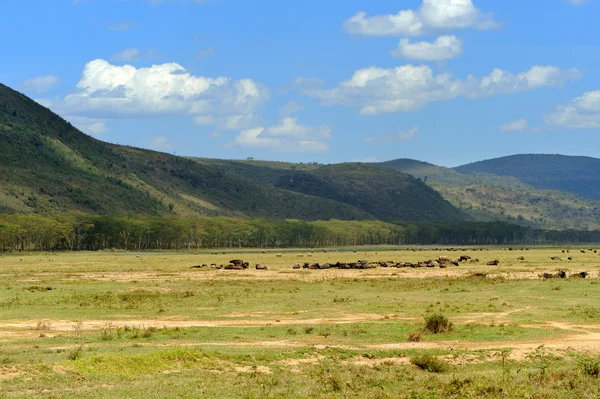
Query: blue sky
pixel 444 81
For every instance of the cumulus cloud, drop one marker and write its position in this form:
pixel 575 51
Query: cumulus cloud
pixel 108 91
pixel 515 126
pixel 443 48
pixel 582 113
pixel 41 84
pixel 433 16
pixel 410 87
pixel 398 136
pixel 500 81
pixel 288 136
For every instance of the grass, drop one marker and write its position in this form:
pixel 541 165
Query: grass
pixel 105 325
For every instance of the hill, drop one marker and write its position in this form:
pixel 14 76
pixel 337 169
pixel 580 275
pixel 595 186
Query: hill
pixel 489 197
pixel 383 193
pixel 578 175
pixel 47 166
pixel 386 194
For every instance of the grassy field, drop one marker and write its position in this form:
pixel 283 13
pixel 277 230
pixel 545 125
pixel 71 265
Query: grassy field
pixel 113 324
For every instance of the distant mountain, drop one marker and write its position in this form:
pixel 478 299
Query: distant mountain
pixel 489 197
pixel 47 166
pixel 578 175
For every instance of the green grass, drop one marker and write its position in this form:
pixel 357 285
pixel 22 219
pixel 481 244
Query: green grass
pixel 281 333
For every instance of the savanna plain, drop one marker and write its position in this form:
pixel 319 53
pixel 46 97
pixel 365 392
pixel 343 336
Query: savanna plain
pixel 149 325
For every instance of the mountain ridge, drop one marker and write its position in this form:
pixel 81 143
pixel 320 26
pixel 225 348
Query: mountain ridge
pixel 48 166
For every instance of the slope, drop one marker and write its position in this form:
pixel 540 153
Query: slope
pixel 48 166
pixel 384 193
pixel 488 197
pixel 575 174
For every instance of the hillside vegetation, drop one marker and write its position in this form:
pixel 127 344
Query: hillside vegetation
pixel 578 175
pixel 488 197
pixel 49 167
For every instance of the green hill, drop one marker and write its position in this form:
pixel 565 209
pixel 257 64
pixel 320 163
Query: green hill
pixel 48 166
pixel 578 175
pixel 488 197
pixel 383 193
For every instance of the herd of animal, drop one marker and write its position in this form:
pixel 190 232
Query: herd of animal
pixel 441 262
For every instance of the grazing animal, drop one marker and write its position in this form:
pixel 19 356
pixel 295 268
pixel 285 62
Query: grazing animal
pixel 261 267
pixel 493 263
pixel 521 258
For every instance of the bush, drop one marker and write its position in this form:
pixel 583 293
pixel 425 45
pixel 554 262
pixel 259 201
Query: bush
pixel 429 363
pixel 590 365
pixel 76 354
pixel 414 336
pixel 438 324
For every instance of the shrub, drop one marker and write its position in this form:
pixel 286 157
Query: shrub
pixel 590 365
pixel 414 336
pixel 438 324
pixel 76 353
pixel 429 363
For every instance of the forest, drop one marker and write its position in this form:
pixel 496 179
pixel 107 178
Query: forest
pixel 83 232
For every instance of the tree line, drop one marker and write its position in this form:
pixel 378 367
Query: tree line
pixel 83 232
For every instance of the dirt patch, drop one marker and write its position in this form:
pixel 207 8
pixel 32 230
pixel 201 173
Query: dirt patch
pixel 10 373
pixel 362 361
pixel 15 327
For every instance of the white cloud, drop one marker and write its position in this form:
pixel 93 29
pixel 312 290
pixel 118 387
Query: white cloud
pixel 515 126
pixel 443 48
pixel 288 136
pixel 582 113
pixel 398 136
pixel 91 126
pixel 159 143
pixel 131 54
pixel 41 84
pixel 432 17
pixel 237 122
pixel 290 108
pixel 108 91
pixel 409 88
pixel 289 127
pixel 500 81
